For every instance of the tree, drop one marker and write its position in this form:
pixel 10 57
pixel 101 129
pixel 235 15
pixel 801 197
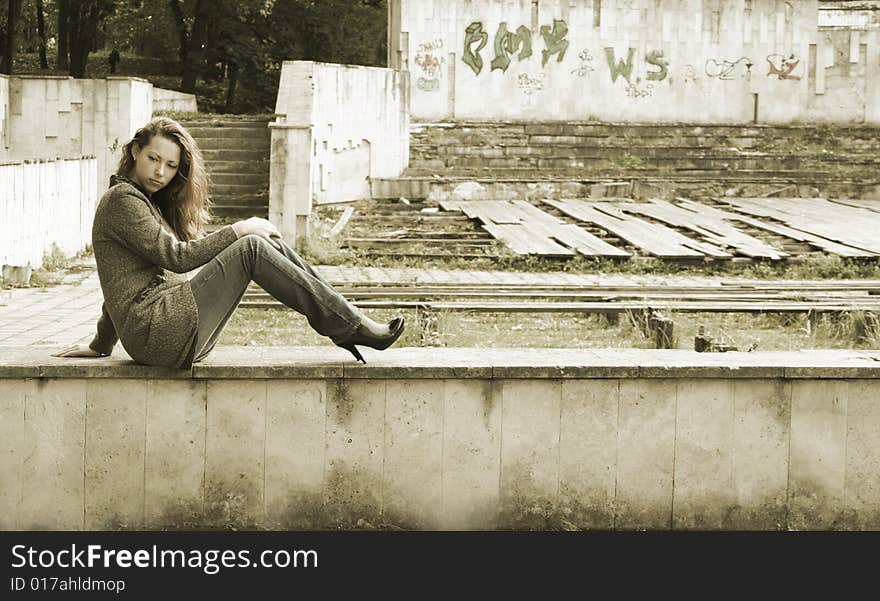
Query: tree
pixel 63 35
pixel 13 9
pixel 41 29
pixel 85 16
pixel 193 33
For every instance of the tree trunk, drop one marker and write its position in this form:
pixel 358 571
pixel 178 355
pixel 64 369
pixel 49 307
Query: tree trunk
pixel 74 30
pixel 63 35
pixel 230 90
pixel 11 23
pixel 41 30
pixel 196 52
pixel 182 31
pixel 84 19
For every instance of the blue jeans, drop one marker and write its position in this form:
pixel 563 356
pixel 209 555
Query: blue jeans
pixel 220 285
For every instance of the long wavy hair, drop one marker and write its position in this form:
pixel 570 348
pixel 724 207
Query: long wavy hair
pixel 184 202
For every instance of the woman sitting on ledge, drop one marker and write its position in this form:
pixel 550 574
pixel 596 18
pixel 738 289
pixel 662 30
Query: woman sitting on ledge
pixel 147 234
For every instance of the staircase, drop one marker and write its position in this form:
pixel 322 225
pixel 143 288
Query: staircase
pixel 509 158
pixel 236 152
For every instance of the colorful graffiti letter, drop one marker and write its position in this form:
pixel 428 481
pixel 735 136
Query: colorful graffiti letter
pixel 507 43
pixel 472 58
pixel 725 69
pixel 554 41
pixel 429 65
pixel 782 66
pixel 620 67
pixel 655 57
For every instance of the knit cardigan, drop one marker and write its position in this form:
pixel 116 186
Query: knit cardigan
pixel 148 303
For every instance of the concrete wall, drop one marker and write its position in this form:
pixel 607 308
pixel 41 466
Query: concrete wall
pixel 51 117
pixel 336 126
pixel 172 100
pixel 707 61
pixel 4 113
pixel 46 203
pixel 287 438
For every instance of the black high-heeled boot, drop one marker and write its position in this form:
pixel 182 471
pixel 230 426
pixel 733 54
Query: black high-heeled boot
pixel 363 337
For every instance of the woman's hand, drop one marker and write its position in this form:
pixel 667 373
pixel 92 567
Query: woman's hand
pixel 259 227
pixel 78 350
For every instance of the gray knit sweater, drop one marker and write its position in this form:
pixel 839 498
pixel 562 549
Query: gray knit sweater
pixel 148 302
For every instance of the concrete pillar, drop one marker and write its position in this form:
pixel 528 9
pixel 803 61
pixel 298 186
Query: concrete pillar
pixel 290 179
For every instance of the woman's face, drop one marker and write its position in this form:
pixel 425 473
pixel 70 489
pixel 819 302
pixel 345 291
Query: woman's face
pixel 156 164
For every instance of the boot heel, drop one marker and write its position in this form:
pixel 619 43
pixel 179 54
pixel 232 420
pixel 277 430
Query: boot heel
pixel 354 351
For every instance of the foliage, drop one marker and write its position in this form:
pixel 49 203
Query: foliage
pixel 244 45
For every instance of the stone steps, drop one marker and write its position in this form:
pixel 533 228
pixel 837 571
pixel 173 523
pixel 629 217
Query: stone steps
pixel 560 156
pixel 236 153
pixel 250 179
pixel 556 150
pixel 438 131
pixel 234 144
pixel 636 164
pixel 260 164
pixel 212 156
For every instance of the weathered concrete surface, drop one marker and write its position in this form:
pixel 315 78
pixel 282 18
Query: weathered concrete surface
pixel 650 440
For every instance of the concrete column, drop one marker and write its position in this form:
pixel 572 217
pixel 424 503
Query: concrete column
pixel 290 179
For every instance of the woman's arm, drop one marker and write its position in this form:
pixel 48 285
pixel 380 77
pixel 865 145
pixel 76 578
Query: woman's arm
pixel 106 337
pixel 100 346
pixel 128 220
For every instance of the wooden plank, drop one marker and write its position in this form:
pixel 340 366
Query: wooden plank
pixel 526 229
pixel 667 235
pixel 711 225
pixel 861 203
pixel 850 226
pixel 524 242
pixel 801 236
pixel 656 240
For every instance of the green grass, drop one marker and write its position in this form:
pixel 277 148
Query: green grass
pixel 767 332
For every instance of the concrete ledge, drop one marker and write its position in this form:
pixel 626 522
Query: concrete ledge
pixel 304 438
pixel 466 363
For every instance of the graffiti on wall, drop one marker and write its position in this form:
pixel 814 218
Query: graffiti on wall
pixel 474 34
pixel 530 84
pixel 555 41
pixel 783 66
pixel 428 63
pixel 624 68
pixel 633 90
pixel 655 58
pixel 620 67
pixel 508 43
pixel 586 65
pixel 726 70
